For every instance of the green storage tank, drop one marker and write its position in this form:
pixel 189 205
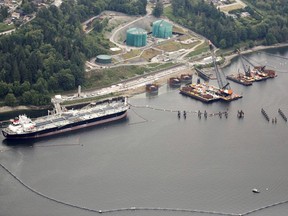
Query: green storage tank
pixel 136 37
pixel 162 29
pixel 104 59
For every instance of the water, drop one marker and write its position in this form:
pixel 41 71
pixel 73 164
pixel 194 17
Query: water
pixel 155 160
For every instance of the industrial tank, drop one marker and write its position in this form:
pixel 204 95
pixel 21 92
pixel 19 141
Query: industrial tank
pixel 104 59
pixel 162 29
pixel 136 37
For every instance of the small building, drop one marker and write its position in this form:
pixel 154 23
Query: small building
pixel 15 15
pixel 136 37
pixel 162 29
pixel 103 59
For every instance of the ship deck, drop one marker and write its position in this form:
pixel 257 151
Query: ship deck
pixel 70 117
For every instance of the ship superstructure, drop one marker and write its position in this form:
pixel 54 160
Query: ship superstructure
pixel 61 120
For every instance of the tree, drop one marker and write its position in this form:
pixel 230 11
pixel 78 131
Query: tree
pixel 10 100
pixel 66 80
pixel 41 86
pixel 4 11
pixel 270 39
pixel 158 9
pixel 4 89
pixel 223 44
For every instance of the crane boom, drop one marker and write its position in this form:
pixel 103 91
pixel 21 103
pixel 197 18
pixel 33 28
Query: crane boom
pixel 222 82
pixel 246 71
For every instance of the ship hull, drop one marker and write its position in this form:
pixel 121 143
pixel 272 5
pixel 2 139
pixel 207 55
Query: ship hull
pixel 69 127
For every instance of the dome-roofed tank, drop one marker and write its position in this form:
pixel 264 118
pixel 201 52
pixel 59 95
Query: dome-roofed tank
pixel 136 37
pixel 162 29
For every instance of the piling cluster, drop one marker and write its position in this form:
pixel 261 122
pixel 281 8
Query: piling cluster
pixel 265 114
pixel 184 114
pixel 205 114
pixel 240 114
pixel 274 120
pixel 282 114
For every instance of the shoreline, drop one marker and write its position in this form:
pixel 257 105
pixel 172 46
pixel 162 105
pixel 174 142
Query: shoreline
pixel 160 82
pixel 229 58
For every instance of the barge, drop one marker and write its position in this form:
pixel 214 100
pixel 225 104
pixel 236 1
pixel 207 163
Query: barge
pixel 208 93
pixel 241 79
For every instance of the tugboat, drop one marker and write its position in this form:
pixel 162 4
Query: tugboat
pixel 152 88
pixel 174 82
pixel 186 78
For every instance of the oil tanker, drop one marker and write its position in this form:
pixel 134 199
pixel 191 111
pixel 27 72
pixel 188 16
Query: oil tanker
pixel 61 120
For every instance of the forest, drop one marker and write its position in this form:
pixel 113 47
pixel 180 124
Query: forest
pixel 267 23
pixel 48 54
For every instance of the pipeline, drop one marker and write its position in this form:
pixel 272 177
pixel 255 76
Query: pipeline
pixel 265 114
pixel 282 114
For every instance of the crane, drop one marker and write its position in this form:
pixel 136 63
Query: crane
pixel 246 71
pixel 259 71
pixel 221 79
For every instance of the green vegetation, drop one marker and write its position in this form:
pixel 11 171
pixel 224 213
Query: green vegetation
pixel 203 48
pixel 148 54
pixel 48 54
pixel 158 9
pixel 4 13
pixel 5 27
pixel 267 22
pixel 128 6
pixel 106 77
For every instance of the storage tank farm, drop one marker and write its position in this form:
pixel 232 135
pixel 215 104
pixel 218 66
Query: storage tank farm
pixel 136 37
pixel 162 29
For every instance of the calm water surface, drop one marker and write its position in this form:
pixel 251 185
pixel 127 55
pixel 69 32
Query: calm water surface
pixel 154 159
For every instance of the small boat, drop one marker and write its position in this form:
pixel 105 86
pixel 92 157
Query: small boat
pixel 255 190
pixel 152 88
pixel 186 78
pixel 174 82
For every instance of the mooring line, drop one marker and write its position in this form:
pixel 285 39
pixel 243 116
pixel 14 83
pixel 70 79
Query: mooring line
pixel 139 208
pixel 140 122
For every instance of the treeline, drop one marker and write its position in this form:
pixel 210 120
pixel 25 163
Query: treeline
pixel 268 22
pixel 130 7
pixel 48 54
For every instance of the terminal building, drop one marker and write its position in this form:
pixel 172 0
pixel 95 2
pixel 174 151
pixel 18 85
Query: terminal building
pixel 136 37
pixel 162 29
